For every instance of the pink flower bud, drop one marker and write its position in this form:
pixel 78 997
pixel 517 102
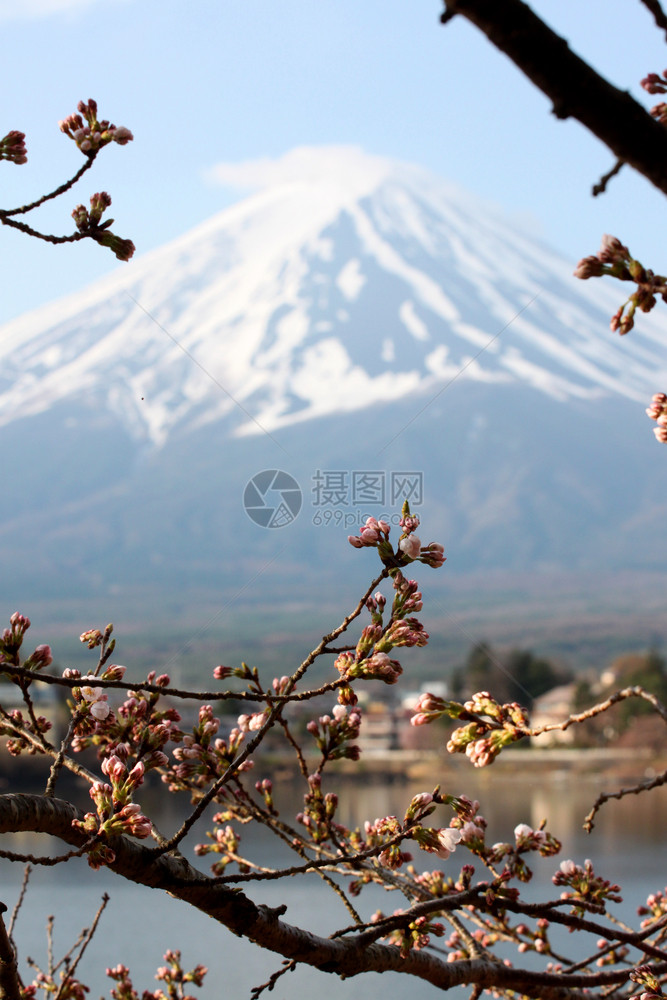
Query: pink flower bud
pixel 410 546
pixel 448 838
pixel 42 657
pixel 136 775
pixel 114 673
pixel 611 249
pixel 122 135
pixel 421 800
pixel 114 768
pixel 93 637
pixel 100 710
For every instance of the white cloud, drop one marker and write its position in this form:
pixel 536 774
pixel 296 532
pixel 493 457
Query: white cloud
pixel 305 164
pixel 10 10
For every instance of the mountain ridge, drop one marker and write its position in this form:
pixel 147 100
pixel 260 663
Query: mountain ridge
pixel 305 301
pixel 389 324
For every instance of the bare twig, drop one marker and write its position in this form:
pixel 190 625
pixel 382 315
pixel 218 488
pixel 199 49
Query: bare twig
pixel 658 14
pixel 27 699
pixel 604 706
pixel 19 902
pixel 4 213
pixel 49 944
pixel 87 938
pixel 601 185
pixel 46 861
pixel 256 991
pixel 47 237
pixel 59 759
pixel 334 862
pixel 303 766
pixel 642 786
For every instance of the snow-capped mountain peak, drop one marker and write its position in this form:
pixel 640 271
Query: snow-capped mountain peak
pixel 344 280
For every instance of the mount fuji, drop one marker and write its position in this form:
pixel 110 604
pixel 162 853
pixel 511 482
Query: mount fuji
pixel 352 315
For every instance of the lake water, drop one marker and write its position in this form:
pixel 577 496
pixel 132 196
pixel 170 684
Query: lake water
pixel 139 924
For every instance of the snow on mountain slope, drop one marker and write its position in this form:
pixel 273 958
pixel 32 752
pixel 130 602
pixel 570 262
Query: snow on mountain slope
pixel 345 280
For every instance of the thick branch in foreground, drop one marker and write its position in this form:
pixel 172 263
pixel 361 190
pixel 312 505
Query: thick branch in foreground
pixel 261 924
pixel 576 90
pixel 10 988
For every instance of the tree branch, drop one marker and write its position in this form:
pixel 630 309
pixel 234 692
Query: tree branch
pixel 47 237
pixel 576 90
pixel 10 988
pixel 658 13
pixel 261 924
pixel 53 194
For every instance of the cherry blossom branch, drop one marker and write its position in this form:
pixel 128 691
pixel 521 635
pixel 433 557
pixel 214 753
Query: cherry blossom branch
pixel 477 897
pixel 5 213
pixel 332 863
pixel 262 925
pixel 635 939
pixel 90 135
pixel 272 715
pixel 45 748
pixel 293 840
pixel 183 694
pixel 490 726
pixel 132 738
pixel 630 692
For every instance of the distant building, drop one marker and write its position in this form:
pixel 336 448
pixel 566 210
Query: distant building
pixel 550 709
pixel 380 728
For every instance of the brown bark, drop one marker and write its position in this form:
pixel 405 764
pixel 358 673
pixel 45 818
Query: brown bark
pixel 10 988
pixel 573 86
pixel 261 924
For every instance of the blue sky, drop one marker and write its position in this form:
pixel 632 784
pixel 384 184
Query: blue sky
pixel 231 80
